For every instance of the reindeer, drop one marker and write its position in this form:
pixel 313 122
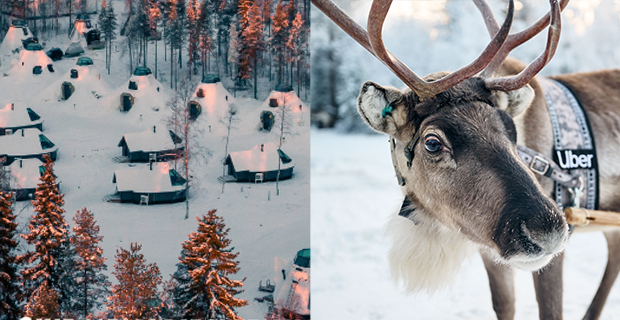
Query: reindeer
pixel 454 140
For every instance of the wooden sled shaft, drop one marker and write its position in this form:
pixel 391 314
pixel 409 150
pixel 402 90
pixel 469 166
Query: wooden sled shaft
pixel 581 217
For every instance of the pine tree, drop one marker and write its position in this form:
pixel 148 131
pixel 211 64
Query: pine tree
pixel 10 282
pixel 296 44
pixel 233 48
pixel 193 26
pixel 92 284
pixel 43 303
pixel 279 38
pixel 108 24
pixel 135 295
pixel 251 44
pixel 206 263
pixel 50 264
pixel 154 16
pixel 205 28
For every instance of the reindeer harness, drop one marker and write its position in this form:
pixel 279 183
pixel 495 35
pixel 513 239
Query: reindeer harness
pixel 573 167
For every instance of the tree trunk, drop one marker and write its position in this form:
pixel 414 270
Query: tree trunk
pixel 156 56
pixel 255 75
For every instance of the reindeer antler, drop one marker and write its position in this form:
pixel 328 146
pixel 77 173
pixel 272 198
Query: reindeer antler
pixel 515 40
pixel 373 42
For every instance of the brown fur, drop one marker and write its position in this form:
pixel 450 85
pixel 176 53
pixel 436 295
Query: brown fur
pixel 459 189
pixel 599 93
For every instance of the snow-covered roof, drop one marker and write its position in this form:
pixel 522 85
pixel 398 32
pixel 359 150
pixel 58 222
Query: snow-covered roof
pixel 300 304
pixel 149 102
pixel 88 85
pixel 25 173
pixel 148 140
pixel 29 59
pixel 257 160
pixel 24 142
pixel 13 40
pixel 216 99
pixel 140 178
pixel 14 115
pixel 290 99
pixel 80 28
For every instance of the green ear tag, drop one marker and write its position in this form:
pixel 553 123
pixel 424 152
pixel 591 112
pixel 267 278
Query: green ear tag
pixel 387 110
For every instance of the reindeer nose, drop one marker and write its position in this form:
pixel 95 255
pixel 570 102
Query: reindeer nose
pixel 543 240
pixel 531 229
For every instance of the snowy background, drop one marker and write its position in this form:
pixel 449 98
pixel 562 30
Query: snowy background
pixel 354 190
pixel 87 130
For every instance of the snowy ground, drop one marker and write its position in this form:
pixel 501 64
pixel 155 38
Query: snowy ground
pixel 354 193
pixel 262 225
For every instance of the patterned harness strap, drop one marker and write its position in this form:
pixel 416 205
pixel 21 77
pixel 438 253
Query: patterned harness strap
pixel 574 149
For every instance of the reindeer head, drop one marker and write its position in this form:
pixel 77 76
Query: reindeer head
pixel 454 142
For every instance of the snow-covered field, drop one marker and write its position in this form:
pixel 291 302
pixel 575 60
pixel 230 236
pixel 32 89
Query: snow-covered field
pixel 354 193
pixel 87 130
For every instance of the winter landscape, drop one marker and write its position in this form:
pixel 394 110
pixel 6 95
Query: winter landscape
pixel 158 113
pixel 354 189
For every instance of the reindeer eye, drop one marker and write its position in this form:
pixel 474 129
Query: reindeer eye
pixel 432 144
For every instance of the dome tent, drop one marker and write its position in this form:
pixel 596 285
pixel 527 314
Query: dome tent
pixel 285 96
pixel 74 50
pixel 292 281
pixel 145 102
pixel 13 40
pixel 83 83
pixel 33 60
pixel 211 102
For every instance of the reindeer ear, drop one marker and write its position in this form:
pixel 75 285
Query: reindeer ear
pixel 516 101
pixel 380 107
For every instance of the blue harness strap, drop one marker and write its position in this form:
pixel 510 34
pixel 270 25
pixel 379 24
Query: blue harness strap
pixel 574 149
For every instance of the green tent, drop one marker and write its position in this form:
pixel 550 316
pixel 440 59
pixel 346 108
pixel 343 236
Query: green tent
pixel 142 71
pixel 84 61
pixel 211 78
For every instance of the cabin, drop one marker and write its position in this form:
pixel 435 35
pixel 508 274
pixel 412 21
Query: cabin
pixel 26 144
pixel 260 164
pixel 151 145
pixel 14 117
pixel 24 176
pixel 150 183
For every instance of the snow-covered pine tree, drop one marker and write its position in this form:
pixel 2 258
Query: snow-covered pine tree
pixel 169 309
pixel 251 45
pixel 210 261
pixel 154 16
pixel 278 38
pixel 51 263
pixel 233 49
pixel 10 282
pixel 135 295
pixel 193 28
pixel 181 7
pixel 92 284
pixel 296 45
pixel 205 27
pixel 43 303
pixel 108 24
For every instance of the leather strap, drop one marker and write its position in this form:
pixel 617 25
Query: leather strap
pixel 541 165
